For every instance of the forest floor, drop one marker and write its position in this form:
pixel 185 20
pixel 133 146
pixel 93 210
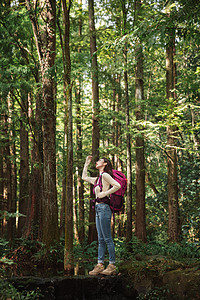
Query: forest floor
pixel 153 277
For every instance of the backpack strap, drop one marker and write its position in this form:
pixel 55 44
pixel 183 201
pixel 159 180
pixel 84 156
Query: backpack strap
pixel 100 182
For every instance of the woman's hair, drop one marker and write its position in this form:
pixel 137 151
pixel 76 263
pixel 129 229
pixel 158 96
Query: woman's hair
pixel 108 167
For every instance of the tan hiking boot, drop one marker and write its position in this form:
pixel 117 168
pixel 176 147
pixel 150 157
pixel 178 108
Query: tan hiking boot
pixel 97 269
pixel 110 270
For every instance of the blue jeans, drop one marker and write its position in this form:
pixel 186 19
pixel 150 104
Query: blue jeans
pixel 103 225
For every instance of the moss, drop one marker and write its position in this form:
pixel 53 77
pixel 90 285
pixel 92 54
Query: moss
pixel 160 272
pixel 185 283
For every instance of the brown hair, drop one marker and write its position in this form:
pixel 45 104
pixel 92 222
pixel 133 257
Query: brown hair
pixel 108 167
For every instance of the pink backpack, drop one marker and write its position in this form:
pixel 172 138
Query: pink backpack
pixel 116 201
pixel 117 198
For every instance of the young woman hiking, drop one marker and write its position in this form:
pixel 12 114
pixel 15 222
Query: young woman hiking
pixel 104 185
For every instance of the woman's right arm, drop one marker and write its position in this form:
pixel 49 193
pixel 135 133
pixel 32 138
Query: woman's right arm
pixel 85 177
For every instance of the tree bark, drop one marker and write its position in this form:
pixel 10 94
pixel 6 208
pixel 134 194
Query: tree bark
pixel 45 38
pixel 7 181
pixel 173 205
pixel 68 265
pixel 13 208
pixel 24 165
pixel 128 136
pixel 118 137
pixel 80 186
pixel 140 226
pixel 34 209
pixel 92 235
pixel 129 161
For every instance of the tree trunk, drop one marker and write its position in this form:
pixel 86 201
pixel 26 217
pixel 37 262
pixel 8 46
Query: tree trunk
pixel 92 235
pixel 34 209
pixel 13 171
pixel 68 265
pixel 128 137
pixel 140 227
pixel 173 206
pixel 129 162
pixel 45 38
pixel 118 141
pixel 80 186
pixel 140 160
pixel 7 188
pixel 24 165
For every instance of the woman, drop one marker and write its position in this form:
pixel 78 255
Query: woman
pixel 102 189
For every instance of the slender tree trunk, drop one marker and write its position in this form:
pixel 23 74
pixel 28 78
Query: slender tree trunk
pixel 24 165
pixel 140 159
pixel 13 170
pixel 34 210
pixel 118 141
pixel 92 235
pixel 68 265
pixel 80 186
pixel 114 122
pixel 129 162
pixel 7 193
pixel 173 206
pixel 75 211
pixel 62 209
pixel 128 137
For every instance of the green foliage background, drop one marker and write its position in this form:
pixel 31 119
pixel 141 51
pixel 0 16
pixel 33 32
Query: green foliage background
pixel 19 73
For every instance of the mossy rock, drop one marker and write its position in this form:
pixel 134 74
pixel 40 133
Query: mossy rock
pixel 178 280
pixel 185 284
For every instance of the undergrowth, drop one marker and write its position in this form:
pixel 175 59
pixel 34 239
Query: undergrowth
pixel 8 291
pixel 154 256
pixel 180 251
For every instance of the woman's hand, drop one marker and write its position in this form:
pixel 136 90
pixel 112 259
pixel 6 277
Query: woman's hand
pixel 88 159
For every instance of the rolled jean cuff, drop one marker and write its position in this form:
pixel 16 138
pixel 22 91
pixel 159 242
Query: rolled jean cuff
pixel 100 262
pixel 112 262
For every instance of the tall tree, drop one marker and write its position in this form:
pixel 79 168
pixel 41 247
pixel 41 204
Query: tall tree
pixel 45 39
pixel 95 109
pixel 173 206
pixel 24 164
pixel 80 186
pixel 128 136
pixel 68 207
pixel 140 226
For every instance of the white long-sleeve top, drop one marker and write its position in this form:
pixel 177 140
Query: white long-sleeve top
pixel 107 181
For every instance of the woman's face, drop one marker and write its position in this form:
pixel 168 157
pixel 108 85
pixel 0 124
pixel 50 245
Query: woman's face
pixel 100 163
